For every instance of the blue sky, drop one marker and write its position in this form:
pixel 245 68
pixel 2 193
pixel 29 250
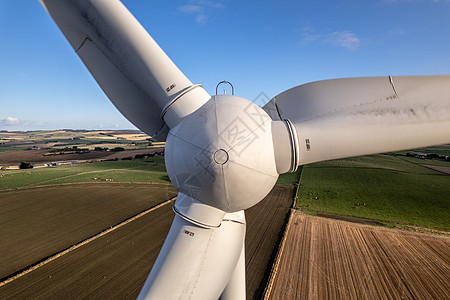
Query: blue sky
pixel 259 46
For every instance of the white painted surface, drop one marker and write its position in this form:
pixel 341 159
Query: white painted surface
pixel 240 131
pixel 358 116
pixel 195 262
pixel 235 289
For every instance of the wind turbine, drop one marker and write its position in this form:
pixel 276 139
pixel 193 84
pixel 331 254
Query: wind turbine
pixel 224 153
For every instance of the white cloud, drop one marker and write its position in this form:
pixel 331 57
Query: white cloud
pixel 308 35
pixel 201 19
pixel 15 123
pixel 395 32
pixel 344 39
pixel 200 9
pixel 9 121
pixel 190 9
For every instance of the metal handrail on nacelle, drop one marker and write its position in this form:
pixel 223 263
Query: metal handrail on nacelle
pixel 225 82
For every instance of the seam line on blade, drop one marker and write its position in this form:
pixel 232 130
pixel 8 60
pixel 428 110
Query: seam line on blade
pixel 211 232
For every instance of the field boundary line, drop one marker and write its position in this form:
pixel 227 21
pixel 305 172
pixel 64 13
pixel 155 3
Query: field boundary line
pixel 276 263
pixel 83 173
pixel 274 271
pixel 51 258
pixel 441 169
pixel 83 182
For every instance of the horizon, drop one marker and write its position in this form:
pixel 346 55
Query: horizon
pixel 67 129
pixel 261 49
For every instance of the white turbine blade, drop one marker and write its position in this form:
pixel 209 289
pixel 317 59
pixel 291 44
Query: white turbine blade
pixel 197 262
pixel 235 289
pixel 358 116
pixel 129 66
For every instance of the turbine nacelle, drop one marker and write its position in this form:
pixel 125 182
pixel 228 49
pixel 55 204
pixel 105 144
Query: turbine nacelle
pixel 222 154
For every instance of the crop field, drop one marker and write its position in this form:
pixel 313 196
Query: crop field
pixel 51 138
pixel 35 223
pixel 330 259
pixel 94 230
pixel 141 170
pixel 389 189
pixel 116 264
pixel 48 146
pixel 264 224
pixel 433 162
pixel 441 150
pixel 40 156
pixel 113 266
pixel 15 156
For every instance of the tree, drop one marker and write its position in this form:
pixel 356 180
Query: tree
pixel 25 165
pixel 117 149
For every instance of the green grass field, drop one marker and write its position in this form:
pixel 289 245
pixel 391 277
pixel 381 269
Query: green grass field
pixel 141 170
pixel 7 148
pixel 289 178
pixel 386 188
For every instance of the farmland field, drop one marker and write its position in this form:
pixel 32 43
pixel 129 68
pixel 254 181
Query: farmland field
pixel 14 157
pixel 46 210
pixel 330 259
pixel 441 150
pixel 57 138
pixel 35 223
pixel 264 224
pixel 116 265
pixel 59 145
pixel 113 266
pixel 142 170
pixel 386 188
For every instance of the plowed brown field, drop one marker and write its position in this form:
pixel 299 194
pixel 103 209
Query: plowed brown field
pixel 331 259
pixel 264 231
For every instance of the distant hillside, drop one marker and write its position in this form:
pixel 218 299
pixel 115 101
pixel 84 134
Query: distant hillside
pixel 68 144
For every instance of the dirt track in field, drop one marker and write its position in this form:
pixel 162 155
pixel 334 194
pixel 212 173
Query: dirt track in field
pixel 443 169
pixel 331 259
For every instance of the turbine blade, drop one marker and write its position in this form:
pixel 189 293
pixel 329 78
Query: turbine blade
pixel 126 62
pixel 358 116
pixel 235 289
pixel 196 262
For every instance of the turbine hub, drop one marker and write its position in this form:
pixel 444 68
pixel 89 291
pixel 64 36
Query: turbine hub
pixel 222 154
